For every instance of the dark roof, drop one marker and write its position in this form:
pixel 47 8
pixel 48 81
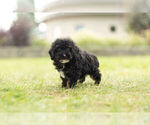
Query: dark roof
pixel 69 14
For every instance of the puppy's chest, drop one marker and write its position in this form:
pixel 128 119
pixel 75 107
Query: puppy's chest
pixel 64 71
pixel 62 74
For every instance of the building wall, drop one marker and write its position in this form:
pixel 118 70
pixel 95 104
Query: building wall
pixel 103 26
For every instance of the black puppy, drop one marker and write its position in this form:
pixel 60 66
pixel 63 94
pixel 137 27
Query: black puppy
pixel 73 63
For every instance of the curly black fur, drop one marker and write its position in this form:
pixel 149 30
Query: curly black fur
pixel 73 63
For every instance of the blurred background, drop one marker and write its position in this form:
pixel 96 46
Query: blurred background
pixel 105 27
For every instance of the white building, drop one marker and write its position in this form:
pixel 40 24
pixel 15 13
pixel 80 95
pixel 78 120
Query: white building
pixel 106 18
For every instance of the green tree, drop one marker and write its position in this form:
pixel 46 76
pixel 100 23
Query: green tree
pixel 25 23
pixel 140 18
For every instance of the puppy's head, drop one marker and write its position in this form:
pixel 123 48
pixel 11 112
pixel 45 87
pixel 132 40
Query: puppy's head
pixel 62 50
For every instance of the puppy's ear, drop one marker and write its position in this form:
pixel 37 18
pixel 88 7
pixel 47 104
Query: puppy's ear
pixel 51 53
pixel 75 51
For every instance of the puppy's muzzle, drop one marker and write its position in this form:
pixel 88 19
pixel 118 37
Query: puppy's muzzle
pixel 64 60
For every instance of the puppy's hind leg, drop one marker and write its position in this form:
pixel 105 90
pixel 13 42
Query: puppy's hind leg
pixel 82 79
pixel 96 76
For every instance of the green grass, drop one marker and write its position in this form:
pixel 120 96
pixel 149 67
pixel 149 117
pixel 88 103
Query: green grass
pixel 33 85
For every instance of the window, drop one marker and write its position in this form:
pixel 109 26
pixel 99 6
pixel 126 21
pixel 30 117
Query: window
pixel 113 28
pixel 79 27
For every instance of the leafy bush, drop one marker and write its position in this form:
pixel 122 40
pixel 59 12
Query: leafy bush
pixel 3 37
pixel 91 41
pixel 136 40
pixel 86 39
pixel 140 17
pixel 20 32
pixel 139 40
pixel 147 36
pixel 39 42
pixel 139 22
pixel 114 42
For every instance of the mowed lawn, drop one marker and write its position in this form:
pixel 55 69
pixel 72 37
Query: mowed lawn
pixel 33 85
